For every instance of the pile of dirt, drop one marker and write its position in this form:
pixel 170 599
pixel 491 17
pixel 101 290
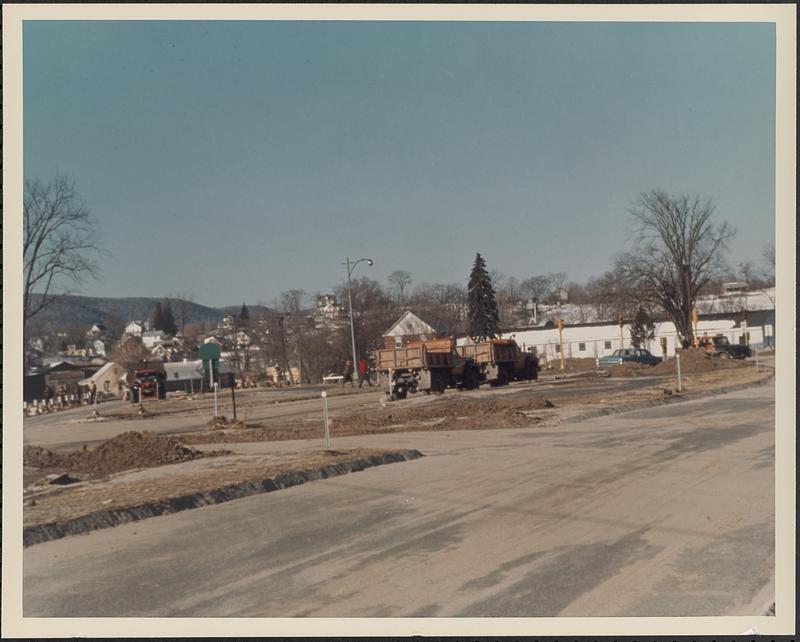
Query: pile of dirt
pixel 123 452
pixel 223 423
pixel 695 361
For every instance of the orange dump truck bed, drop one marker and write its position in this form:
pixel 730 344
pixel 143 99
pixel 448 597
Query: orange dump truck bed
pixel 492 351
pixel 417 355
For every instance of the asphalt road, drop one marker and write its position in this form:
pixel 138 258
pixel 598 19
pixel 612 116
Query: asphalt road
pixel 666 511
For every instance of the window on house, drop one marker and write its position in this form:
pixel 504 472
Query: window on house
pixel 581 347
pixel 558 348
pixel 607 345
pixel 175 374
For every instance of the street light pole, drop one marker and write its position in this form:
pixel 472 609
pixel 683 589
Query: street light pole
pixel 350 268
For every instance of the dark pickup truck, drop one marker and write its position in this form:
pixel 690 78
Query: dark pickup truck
pixel 719 346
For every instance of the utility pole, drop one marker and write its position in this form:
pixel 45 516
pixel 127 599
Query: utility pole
pixel 350 268
pixel 560 324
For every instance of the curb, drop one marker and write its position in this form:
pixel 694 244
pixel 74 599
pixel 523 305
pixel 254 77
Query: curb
pixel 675 398
pixel 108 518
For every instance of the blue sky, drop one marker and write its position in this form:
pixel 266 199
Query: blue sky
pixel 235 160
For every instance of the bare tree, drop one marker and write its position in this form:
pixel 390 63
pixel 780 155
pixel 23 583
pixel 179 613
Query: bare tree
pixel 130 354
pixel 400 279
pixel 443 306
pixel 59 242
pixel 679 249
pixel 537 287
pixel 181 304
pixel 768 258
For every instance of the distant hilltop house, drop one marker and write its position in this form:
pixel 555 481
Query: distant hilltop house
pixel 97 330
pixel 328 312
pixel 98 347
pixel 733 287
pixel 152 338
pixel 137 328
pixel 407 328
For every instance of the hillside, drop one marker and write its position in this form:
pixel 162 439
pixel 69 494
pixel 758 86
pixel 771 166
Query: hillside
pixel 70 310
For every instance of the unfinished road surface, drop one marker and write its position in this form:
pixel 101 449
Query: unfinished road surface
pixel 666 511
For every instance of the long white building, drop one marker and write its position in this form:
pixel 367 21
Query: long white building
pixel 594 340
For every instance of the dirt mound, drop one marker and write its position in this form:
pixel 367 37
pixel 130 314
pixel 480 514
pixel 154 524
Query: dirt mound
pixel 695 361
pixel 222 423
pixel 128 450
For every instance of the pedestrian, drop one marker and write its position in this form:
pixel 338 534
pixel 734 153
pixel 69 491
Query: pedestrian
pixel 363 372
pixel 348 373
pixel 62 394
pixel 92 392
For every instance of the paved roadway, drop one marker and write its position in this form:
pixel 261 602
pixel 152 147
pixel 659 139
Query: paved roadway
pixel 666 511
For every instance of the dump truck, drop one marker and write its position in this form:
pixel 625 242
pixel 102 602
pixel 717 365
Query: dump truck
pixel 501 361
pixel 425 366
pixel 148 383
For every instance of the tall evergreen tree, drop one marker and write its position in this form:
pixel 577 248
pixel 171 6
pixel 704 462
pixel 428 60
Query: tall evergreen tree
pixel 168 325
pixel 157 321
pixel 483 321
pixel 244 314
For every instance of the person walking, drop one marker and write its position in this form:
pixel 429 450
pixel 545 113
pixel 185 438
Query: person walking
pixel 92 392
pixel 363 372
pixel 348 373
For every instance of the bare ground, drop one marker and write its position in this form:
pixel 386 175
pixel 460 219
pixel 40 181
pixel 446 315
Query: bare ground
pixel 48 504
pixel 160 468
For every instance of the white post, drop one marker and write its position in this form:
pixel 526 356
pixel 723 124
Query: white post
pixel 678 361
pixel 216 385
pixel 325 419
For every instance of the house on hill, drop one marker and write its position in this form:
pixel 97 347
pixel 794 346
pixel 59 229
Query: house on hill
pixel 152 338
pixel 407 328
pixel 137 328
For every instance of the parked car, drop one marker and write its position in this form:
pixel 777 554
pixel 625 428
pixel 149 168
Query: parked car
pixel 630 355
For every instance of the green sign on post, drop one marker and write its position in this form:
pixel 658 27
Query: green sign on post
pixel 210 353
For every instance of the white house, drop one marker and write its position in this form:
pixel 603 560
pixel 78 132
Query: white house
pixel 99 347
pixel 152 338
pixel 409 327
pixel 136 328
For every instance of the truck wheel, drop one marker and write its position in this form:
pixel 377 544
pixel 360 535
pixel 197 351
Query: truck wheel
pixel 502 377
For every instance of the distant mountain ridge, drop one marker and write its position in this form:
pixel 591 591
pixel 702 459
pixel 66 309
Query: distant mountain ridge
pixel 67 310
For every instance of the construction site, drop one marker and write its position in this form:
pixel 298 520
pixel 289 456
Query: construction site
pixel 87 468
